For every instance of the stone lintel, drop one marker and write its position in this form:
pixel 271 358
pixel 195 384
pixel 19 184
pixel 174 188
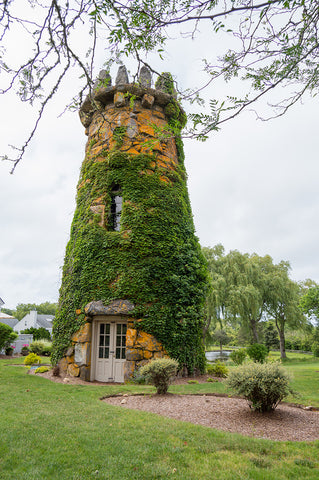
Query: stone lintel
pixel 117 307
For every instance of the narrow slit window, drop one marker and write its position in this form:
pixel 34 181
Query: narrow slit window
pixel 116 208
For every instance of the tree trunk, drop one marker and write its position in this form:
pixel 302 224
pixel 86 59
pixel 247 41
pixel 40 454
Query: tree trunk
pixel 281 333
pixel 206 327
pixel 254 331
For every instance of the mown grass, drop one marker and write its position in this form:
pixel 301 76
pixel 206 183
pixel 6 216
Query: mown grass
pixel 58 431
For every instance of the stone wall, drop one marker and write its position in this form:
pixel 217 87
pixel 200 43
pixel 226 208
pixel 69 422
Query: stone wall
pixel 141 347
pixel 77 360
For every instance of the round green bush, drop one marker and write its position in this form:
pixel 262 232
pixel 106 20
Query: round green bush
pixel 238 356
pixel 218 369
pixel 315 349
pixel 159 373
pixel 257 352
pixel 262 385
pixel 31 359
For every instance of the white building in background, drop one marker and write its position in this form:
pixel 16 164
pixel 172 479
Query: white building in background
pixel 34 320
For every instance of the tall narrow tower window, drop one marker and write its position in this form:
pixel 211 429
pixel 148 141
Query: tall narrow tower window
pixel 116 208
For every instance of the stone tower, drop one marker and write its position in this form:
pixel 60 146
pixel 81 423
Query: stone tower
pixel 134 279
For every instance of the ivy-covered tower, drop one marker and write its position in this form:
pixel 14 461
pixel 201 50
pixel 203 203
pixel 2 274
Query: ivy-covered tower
pixel 134 279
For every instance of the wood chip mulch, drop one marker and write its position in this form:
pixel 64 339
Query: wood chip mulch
pixel 225 413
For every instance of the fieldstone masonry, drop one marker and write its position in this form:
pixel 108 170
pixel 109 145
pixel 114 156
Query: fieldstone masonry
pixel 131 114
pixel 140 346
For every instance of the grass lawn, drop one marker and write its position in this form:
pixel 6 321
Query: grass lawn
pixel 57 431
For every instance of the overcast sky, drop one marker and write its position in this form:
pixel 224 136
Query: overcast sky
pixel 253 186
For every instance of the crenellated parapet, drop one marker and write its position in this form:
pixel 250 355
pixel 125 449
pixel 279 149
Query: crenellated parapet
pixel 139 95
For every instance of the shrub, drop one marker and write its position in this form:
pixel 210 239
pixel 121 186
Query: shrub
pixel 212 380
pixel 32 358
pixel 138 378
pixel 42 369
pixel 159 373
pixel 41 347
pixel 263 385
pixel 257 352
pixel 238 356
pixel 315 349
pixel 38 333
pixel 7 335
pixel 219 369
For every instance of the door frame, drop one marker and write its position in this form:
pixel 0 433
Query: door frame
pixel 96 321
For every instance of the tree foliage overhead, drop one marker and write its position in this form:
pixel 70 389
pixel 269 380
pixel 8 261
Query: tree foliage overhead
pixel 268 44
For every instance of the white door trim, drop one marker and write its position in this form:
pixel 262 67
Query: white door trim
pixel 111 364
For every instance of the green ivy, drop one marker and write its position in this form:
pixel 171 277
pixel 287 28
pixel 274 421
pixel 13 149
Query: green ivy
pixel 155 260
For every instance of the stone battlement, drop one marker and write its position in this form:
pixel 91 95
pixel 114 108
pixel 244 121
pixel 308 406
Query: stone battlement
pixel 123 92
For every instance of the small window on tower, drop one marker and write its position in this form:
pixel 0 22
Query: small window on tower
pixel 116 208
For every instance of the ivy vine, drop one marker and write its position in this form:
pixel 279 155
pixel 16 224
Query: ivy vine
pixel 155 260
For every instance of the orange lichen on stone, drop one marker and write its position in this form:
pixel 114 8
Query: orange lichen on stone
pixel 84 334
pixel 70 359
pixel 147 355
pixel 147 129
pixel 131 334
pixel 78 311
pixel 134 354
pixel 63 365
pixel 83 183
pixel 148 342
pixel 131 151
pixel 73 370
pixel 165 179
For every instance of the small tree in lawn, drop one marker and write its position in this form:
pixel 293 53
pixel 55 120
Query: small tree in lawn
pixel 221 337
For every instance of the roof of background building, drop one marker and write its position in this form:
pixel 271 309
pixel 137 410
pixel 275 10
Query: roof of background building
pixel 45 320
pixel 8 320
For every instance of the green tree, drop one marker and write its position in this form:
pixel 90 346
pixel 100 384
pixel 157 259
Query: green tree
pixel 309 302
pixel 221 337
pixel 38 333
pixel 283 302
pixel 247 279
pixel 216 298
pixel 8 311
pixel 271 338
pixel 45 308
pixel 268 44
pixel 7 335
pixel 238 288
